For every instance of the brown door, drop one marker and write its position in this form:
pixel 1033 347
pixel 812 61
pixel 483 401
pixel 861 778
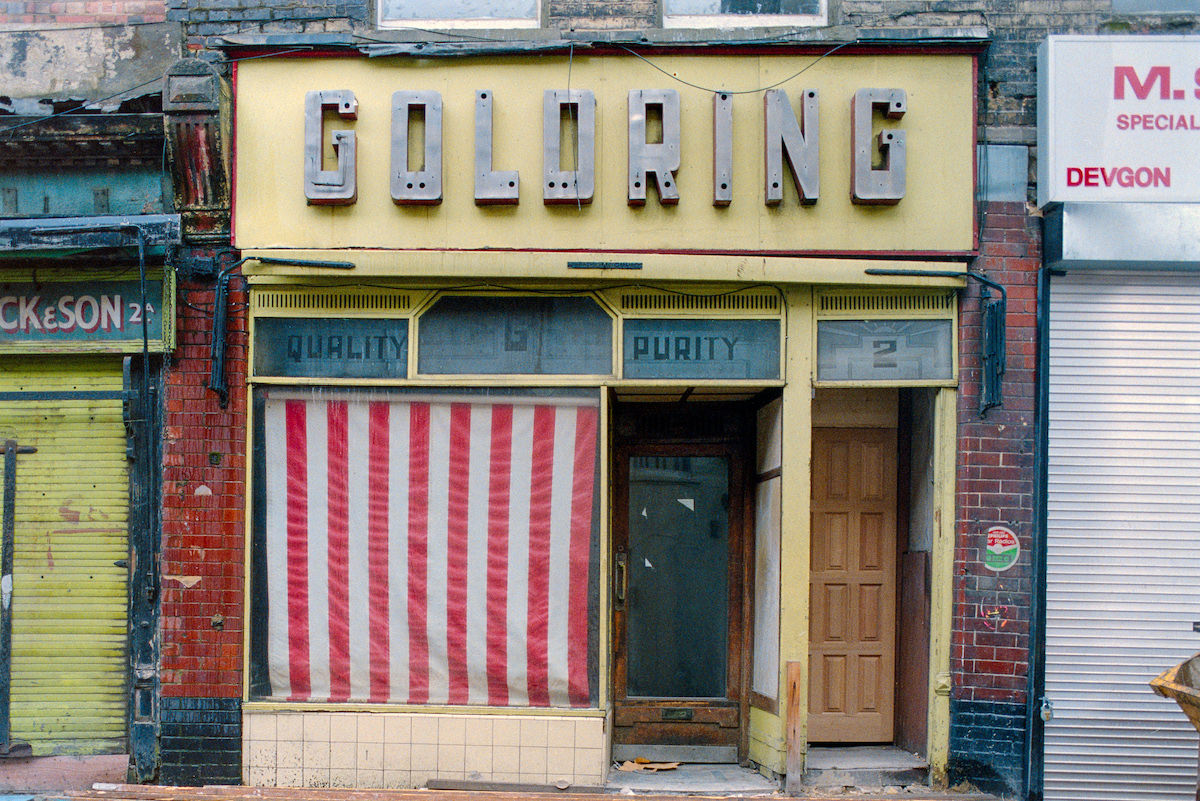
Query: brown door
pixel 677 601
pixel 852 640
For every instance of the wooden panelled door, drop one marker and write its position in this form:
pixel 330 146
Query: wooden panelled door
pixel 852 637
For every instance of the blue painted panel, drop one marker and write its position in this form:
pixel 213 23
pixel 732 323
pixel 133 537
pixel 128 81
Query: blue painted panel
pixel 81 193
pixel 331 348
pixel 515 335
pixel 87 311
pixel 727 349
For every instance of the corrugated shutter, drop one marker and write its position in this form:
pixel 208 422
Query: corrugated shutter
pixel 1123 561
pixel 69 598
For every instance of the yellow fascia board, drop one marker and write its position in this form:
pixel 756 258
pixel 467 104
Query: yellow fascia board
pixel 936 214
pixel 429 268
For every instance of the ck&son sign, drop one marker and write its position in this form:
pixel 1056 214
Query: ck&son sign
pixel 850 154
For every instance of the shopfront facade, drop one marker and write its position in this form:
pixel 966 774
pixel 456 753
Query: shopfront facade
pixel 80 313
pixel 548 467
pixel 1120 290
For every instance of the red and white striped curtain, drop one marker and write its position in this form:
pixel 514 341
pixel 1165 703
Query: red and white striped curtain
pixel 432 551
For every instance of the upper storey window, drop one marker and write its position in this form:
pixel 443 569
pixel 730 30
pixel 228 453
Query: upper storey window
pixel 459 13
pixel 741 13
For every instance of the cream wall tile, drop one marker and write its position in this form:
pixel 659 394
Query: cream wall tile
pixel 425 729
pixel 369 779
pixel 316 755
pixel 419 777
pixel 509 778
pixel 260 725
pixel 397 756
pixel 506 731
pixel 450 759
pixel 560 764
pixel 260 777
pixel 589 761
pixel 589 780
pixel 261 754
pixel 289 727
pixel 533 762
pixel 343 727
pixel 478 760
pixel 478 730
pixel 397 779
pixel 506 759
pixel 316 726
pixel 533 733
pixel 289 777
pixel 370 728
pixel 370 756
pixel 343 756
pixel 424 758
pixel 289 755
pixel 560 733
pixel 589 733
pixel 316 777
pixel 397 728
pixel 342 777
pixel 452 730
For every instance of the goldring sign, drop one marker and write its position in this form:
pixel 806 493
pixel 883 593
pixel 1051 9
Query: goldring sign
pixel 1119 119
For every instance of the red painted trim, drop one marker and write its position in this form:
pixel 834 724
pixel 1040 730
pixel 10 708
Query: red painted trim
pixel 905 255
pixel 233 160
pixel 975 153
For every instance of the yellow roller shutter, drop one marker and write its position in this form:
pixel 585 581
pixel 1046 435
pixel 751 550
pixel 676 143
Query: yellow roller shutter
pixel 69 596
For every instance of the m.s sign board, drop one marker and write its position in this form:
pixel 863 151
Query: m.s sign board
pixel 1119 119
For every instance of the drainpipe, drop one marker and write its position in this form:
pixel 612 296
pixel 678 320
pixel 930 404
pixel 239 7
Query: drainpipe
pixel 217 380
pixel 1039 711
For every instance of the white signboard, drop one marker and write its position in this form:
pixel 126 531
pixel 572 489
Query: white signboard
pixel 1119 119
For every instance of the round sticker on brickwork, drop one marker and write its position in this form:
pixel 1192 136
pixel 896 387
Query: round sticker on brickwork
pixel 1003 548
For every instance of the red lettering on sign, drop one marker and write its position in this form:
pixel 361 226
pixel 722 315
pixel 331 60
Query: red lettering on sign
pixel 1141 89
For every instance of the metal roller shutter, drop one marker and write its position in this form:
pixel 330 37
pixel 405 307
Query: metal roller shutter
pixel 1123 532
pixel 69 598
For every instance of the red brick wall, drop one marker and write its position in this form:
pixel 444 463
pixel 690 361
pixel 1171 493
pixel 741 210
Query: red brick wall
pixel 990 643
pixel 117 12
pixel 204 489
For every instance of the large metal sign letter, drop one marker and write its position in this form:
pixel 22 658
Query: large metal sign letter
pixel 722 148
pixel 800 142
pixel 870 186
pixel 660 159
pixel 420 187
pixel 491 187
pixel 577 185
pixel 337 187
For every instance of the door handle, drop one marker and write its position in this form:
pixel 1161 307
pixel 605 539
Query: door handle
pixel 620 577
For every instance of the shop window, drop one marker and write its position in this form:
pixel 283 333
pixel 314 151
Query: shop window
pixel 742 13
pixel 431 548
pixel 477 335
pixel 459 13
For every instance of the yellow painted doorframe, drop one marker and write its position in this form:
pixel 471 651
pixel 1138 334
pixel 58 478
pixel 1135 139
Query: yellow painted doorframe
pixel 791 727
